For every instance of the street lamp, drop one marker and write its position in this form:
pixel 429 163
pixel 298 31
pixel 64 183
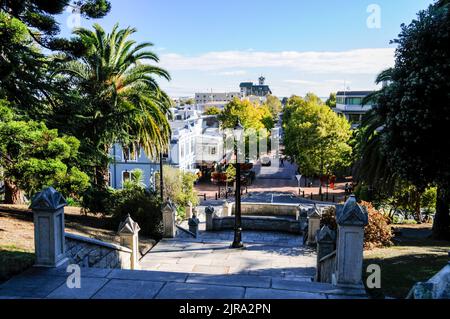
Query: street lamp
pixel 237 242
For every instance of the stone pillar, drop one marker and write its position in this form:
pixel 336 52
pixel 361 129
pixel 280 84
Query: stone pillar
pixel 49 242
pixel 313 224
pixel 193 225
pixel 128 232
pixel 209 214
pixel 169 217
pixel 326 242
pixel 189 208
pixel 351 220
pixel 227 209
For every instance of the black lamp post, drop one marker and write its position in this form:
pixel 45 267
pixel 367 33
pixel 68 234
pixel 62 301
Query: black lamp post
pixel 237 242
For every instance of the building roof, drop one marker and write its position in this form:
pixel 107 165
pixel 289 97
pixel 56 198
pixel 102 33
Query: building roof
pixel 353 93
pixel 246 84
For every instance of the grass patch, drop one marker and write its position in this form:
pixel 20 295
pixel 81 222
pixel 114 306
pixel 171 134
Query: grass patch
pixel 405 264
pixel 13 261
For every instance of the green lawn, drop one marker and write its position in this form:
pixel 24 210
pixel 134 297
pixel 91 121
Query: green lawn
pixel 14 260
pixel 409 261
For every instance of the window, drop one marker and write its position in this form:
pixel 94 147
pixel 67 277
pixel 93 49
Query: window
pixel 212 150
pixel 127 177
pixel 129 156
pixel 354 118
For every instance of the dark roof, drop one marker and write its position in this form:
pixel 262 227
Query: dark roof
pixel 246 84
pixel 353 93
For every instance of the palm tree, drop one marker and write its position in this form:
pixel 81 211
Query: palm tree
pixel 372 166
pixel 122 100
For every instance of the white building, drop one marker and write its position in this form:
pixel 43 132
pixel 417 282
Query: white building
pixel 349 104
pixel 215 99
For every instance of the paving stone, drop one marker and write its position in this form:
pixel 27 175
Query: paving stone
pixel 186 268
pixel 89 286
pixel 129 289
pixel 286 284
pixel 261 293
pixel 214 270
pixel 231 280
pixel 196 291
pixel 31 286
pixel 148 275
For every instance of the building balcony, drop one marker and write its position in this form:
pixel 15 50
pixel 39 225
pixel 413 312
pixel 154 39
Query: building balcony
pixel 353 108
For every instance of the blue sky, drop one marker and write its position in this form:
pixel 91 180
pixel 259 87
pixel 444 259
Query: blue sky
pixel 298 45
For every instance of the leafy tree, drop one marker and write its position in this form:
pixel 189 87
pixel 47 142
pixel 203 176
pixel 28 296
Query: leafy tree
pixel 39 18
pixel 415 108
pixel 316 137
pixel 32 157
pixel 274 105
pixel 179 186
pixel 251 115
pixel 331 101
pixel 115 98
pixel 213 110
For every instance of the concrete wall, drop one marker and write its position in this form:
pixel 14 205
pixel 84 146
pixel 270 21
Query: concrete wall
pixel 268 209
pixel 258 223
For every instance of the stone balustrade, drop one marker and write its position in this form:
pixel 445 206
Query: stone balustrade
pixel 343 266
pixel 54 247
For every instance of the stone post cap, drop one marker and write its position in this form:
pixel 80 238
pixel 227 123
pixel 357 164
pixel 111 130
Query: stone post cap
pixel 48 199
pixel 169 207
pixel 209 210
pixel 326 235
pixel 226 204
pixel 352 214
pixel 129 226
pixel 193 221
pixel 190 204
pixel 315 212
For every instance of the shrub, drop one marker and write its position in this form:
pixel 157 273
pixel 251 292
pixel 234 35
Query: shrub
pixel 329 218
pixel 144 207
pixel 377 233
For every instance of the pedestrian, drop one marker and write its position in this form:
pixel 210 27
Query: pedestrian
pixel 346 189
pixel 282 161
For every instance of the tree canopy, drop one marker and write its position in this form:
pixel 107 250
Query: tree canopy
pixel 315 136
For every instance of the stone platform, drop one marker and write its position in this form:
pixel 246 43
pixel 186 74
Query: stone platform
pixel 272 266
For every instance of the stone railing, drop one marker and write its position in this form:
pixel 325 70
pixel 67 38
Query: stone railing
pixel 342 265
pixel 54 247
pixel 437 287
pixel 92 253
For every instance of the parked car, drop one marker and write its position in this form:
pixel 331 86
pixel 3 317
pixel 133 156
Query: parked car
pixel 266 161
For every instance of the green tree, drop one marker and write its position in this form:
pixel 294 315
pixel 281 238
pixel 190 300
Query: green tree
pixel 331 101
pixel 415 108
pixel 115 98
pixel 39 18
pixel 274 105
pixel 32 157
pixel 316 137
pixel 250 114
pixel 179 186
pixel 213 110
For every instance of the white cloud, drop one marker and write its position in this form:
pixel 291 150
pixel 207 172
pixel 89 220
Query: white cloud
pixel 360 61
pixel 233 73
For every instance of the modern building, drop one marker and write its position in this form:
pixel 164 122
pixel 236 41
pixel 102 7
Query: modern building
pixel 261 90
pixel 349 104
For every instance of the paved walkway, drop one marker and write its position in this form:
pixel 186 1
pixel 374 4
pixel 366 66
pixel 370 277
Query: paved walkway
pixel 272 266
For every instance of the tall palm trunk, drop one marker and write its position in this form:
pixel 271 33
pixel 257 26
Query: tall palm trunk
pixel 441 226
